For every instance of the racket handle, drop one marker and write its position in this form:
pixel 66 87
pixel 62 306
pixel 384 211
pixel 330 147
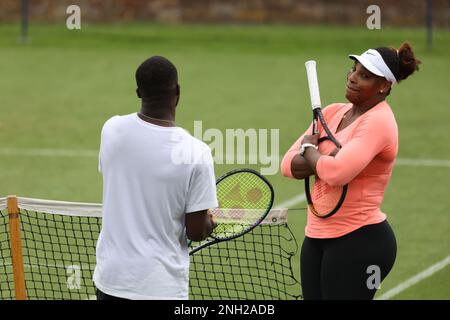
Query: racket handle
pixel 315 128
pixel 313 84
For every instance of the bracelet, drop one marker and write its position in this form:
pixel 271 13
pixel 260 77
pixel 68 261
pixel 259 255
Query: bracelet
pixel 304 146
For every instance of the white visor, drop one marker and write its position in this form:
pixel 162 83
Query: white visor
pixel 373 61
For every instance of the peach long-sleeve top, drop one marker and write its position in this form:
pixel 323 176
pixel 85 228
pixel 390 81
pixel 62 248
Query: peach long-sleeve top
pixel 365 163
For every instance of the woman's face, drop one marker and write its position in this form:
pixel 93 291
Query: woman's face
pixel 362 85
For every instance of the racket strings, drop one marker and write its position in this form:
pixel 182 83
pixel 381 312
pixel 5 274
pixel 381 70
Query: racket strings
pixel 325 198
pixel 244 199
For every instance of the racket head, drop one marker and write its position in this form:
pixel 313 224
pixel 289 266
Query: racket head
pixel 245 198
pixel 323 200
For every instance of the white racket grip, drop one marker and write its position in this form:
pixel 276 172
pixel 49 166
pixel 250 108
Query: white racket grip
pixel 313 83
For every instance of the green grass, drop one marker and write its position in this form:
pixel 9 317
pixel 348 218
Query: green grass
pixel 58 90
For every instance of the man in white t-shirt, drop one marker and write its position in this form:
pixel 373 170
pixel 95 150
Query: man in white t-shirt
pixel 158 184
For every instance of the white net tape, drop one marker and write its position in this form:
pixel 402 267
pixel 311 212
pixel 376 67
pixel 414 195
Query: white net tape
pixel 275 216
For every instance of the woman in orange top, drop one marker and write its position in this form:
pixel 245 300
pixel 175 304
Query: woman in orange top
pixel 347 255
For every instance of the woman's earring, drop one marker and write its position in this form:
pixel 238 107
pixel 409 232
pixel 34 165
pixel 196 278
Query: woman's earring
pixel 381 91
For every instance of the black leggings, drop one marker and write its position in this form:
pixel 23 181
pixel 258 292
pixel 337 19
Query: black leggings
pixel 348 267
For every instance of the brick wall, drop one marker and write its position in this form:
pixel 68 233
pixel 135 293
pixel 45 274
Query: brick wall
pixel 393 13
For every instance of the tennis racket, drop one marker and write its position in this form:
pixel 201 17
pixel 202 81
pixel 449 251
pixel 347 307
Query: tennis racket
pixel 245 198
pixel 323 200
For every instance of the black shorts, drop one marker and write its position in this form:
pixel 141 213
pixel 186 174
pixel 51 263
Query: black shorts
pixel 103 296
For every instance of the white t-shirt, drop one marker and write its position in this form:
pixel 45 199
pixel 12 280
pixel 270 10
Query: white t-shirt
pixel 152 177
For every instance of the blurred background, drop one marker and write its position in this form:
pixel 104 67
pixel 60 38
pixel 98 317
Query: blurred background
pixel 241 65
pixel 344 12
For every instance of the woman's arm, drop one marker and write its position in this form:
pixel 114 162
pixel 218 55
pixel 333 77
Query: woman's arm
pixel 311 155
pixel 293 165
pixel 300 168
pixel 373 135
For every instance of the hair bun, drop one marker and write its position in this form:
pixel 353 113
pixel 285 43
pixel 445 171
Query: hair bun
pixel 408 63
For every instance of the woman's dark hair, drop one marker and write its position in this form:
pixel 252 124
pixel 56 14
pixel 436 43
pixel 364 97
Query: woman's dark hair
pixel 402 62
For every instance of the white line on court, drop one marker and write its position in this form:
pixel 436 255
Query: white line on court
pixel 415 279
pixel 286 204
pixel 47 152
pixel 422 162
pixel 30 152
pixel 292 202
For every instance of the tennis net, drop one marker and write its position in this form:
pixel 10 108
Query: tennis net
pixel 50 254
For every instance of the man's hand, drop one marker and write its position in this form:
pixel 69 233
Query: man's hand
pixel 199 225
pixel 213 222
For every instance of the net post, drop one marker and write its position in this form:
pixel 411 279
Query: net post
pixel 16 248
pixel 24 13
pixel 429 23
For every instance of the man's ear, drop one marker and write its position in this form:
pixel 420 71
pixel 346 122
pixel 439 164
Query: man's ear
pixel 138 94
pixel 177 91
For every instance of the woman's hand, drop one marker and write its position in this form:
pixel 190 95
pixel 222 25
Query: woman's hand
pixel 314 139
pixel 311 155
pixel 334 152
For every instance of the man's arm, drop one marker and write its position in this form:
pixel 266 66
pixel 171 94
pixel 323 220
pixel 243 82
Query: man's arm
pixel 201 194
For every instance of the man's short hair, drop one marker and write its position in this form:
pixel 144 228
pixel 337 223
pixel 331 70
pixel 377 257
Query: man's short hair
pixel 156 78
